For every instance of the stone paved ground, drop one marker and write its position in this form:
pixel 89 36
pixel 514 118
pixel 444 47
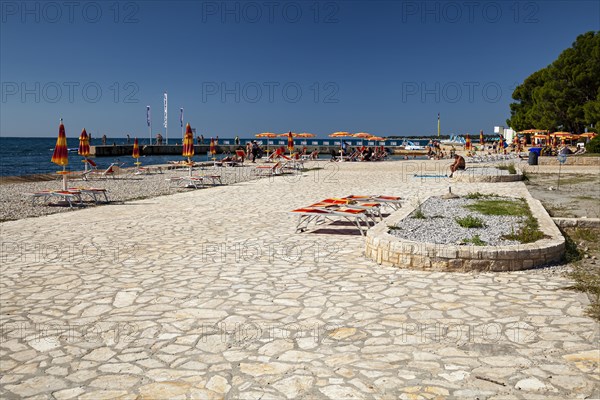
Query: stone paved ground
pixel 211 294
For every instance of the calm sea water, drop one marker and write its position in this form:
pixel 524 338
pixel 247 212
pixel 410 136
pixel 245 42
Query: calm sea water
pixel 26 156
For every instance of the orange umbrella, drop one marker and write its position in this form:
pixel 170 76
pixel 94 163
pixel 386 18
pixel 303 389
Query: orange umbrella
pixel 532 131
pixel 590 135
pixel 290 142
pixel 61 153
pixel 188 145
pixel 84 144
pixel 306 135
pixel 136 149
pixel 340 134
pixel 562 134
pixel 136 153
pixel 84 147
pixel 213 147
pixel 267 135
pixel 376 139
pixel 362 135
pixel 468 142
pixel 188 142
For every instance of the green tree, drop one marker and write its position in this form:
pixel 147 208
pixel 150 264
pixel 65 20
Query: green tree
pixel 564 95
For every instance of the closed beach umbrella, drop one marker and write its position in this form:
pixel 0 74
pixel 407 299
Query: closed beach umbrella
pixel 468 142
pixel 136 149
pixel 188 146
pixel 60 156
pixel 84 147
pixel 290 143
pixel 481 138
pixel 213 147
pixel 84 144
pixel 188 142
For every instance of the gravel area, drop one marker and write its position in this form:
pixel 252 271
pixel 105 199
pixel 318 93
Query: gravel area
pixel 440 225
pixel 16 204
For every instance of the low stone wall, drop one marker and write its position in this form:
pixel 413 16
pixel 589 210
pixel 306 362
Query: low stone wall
pixel 571 160
pixel 490 174
pixel 390 250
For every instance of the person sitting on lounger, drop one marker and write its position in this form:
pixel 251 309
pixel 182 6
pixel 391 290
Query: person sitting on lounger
pixel 459 163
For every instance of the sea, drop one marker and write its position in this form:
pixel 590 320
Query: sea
pixel 31 155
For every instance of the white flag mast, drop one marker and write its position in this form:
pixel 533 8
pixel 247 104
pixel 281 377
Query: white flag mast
pixel 181 123
pixel 166 118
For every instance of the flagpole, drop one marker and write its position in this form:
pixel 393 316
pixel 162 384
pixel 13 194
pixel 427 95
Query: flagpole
pixel 166 119
pixel 438 124
pixel 149 123
pixel 181 123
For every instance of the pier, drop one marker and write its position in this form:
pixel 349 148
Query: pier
pixel 202 149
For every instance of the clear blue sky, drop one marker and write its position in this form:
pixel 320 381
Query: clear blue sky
pixel 240 68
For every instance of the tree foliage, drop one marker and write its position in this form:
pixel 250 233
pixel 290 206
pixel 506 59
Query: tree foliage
pixel 565 95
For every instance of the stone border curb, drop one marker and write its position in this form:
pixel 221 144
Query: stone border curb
pixel 465 176
pixel 390 250
pixel 577 222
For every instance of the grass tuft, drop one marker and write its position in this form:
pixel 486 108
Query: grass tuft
pixel 470 222
pixel 476 240
pixel 500 207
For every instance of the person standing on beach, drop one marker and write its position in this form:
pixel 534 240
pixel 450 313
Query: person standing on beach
pixel 237 140
pixel 217 141
pixel 128 139
pixel 103 140
pixel 254 150
pixel 201 139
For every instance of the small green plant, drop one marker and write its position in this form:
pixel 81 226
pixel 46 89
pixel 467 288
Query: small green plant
pixel 418 213
pixel 393 228
pixel 470 222
pixel 587 280
pixel 475 240
pixel 478 195
pixel 528 233
pixel 510 168
pixel 500 207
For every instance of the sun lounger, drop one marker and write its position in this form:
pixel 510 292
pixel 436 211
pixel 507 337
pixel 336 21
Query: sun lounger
pixel 195 182
pixel 320 215
pixel 68 196
pixel 393 202
pixel 269 170
pixel 96 194
pixel 110 171
pixel 373 209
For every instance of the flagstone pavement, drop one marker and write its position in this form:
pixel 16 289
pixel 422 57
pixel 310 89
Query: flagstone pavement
pixel 211 294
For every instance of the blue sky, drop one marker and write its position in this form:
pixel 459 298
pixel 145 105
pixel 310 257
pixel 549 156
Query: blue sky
pixel 240 68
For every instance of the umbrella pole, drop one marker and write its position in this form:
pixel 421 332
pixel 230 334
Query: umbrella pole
pixel 190 164
pixel 64 185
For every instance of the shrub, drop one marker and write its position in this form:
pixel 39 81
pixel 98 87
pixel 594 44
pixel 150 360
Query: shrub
pixel 594 145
